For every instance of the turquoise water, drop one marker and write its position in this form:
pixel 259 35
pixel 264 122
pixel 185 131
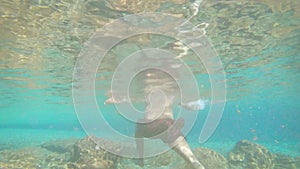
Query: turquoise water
pixel 258 43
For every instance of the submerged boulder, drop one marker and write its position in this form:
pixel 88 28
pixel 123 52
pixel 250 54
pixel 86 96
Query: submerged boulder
pixel 87 154
pixel 22 158
pixel 283 161
pixel 248 155
pixel 211 159
pixel 164 159
pixel 60 146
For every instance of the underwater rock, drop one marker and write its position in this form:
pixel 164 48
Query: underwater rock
pixel 34 158
pixel 22 158
pixel 6 146
pixel 283 161
pixel 164 159
pixel 60 146
pixel 87 154
pixel 56 160
pixel 211 159
pixel 248 155
pixel 99 164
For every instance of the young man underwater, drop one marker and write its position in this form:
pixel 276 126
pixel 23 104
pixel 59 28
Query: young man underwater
pixel 159 123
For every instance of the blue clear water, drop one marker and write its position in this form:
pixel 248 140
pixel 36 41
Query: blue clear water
pixel 263 96
pixel 268 112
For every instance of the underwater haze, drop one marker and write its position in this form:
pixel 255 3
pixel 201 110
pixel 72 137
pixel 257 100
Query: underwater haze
pixel 257 42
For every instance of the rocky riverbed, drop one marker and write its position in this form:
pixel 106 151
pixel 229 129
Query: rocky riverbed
pixel 84 153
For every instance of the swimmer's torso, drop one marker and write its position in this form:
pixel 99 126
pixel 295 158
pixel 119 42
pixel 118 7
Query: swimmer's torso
pixel 164 113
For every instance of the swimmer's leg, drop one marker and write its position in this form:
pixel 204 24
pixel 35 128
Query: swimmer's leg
pixel 183 149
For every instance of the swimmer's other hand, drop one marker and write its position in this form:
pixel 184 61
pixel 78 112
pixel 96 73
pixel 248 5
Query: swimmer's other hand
pixel 195 105
pixel 114 101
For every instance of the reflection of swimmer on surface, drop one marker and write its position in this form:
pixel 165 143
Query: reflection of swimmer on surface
pixel 159 123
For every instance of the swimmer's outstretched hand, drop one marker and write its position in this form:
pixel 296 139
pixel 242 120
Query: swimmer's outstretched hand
pixel 115 101
pixel 195 105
